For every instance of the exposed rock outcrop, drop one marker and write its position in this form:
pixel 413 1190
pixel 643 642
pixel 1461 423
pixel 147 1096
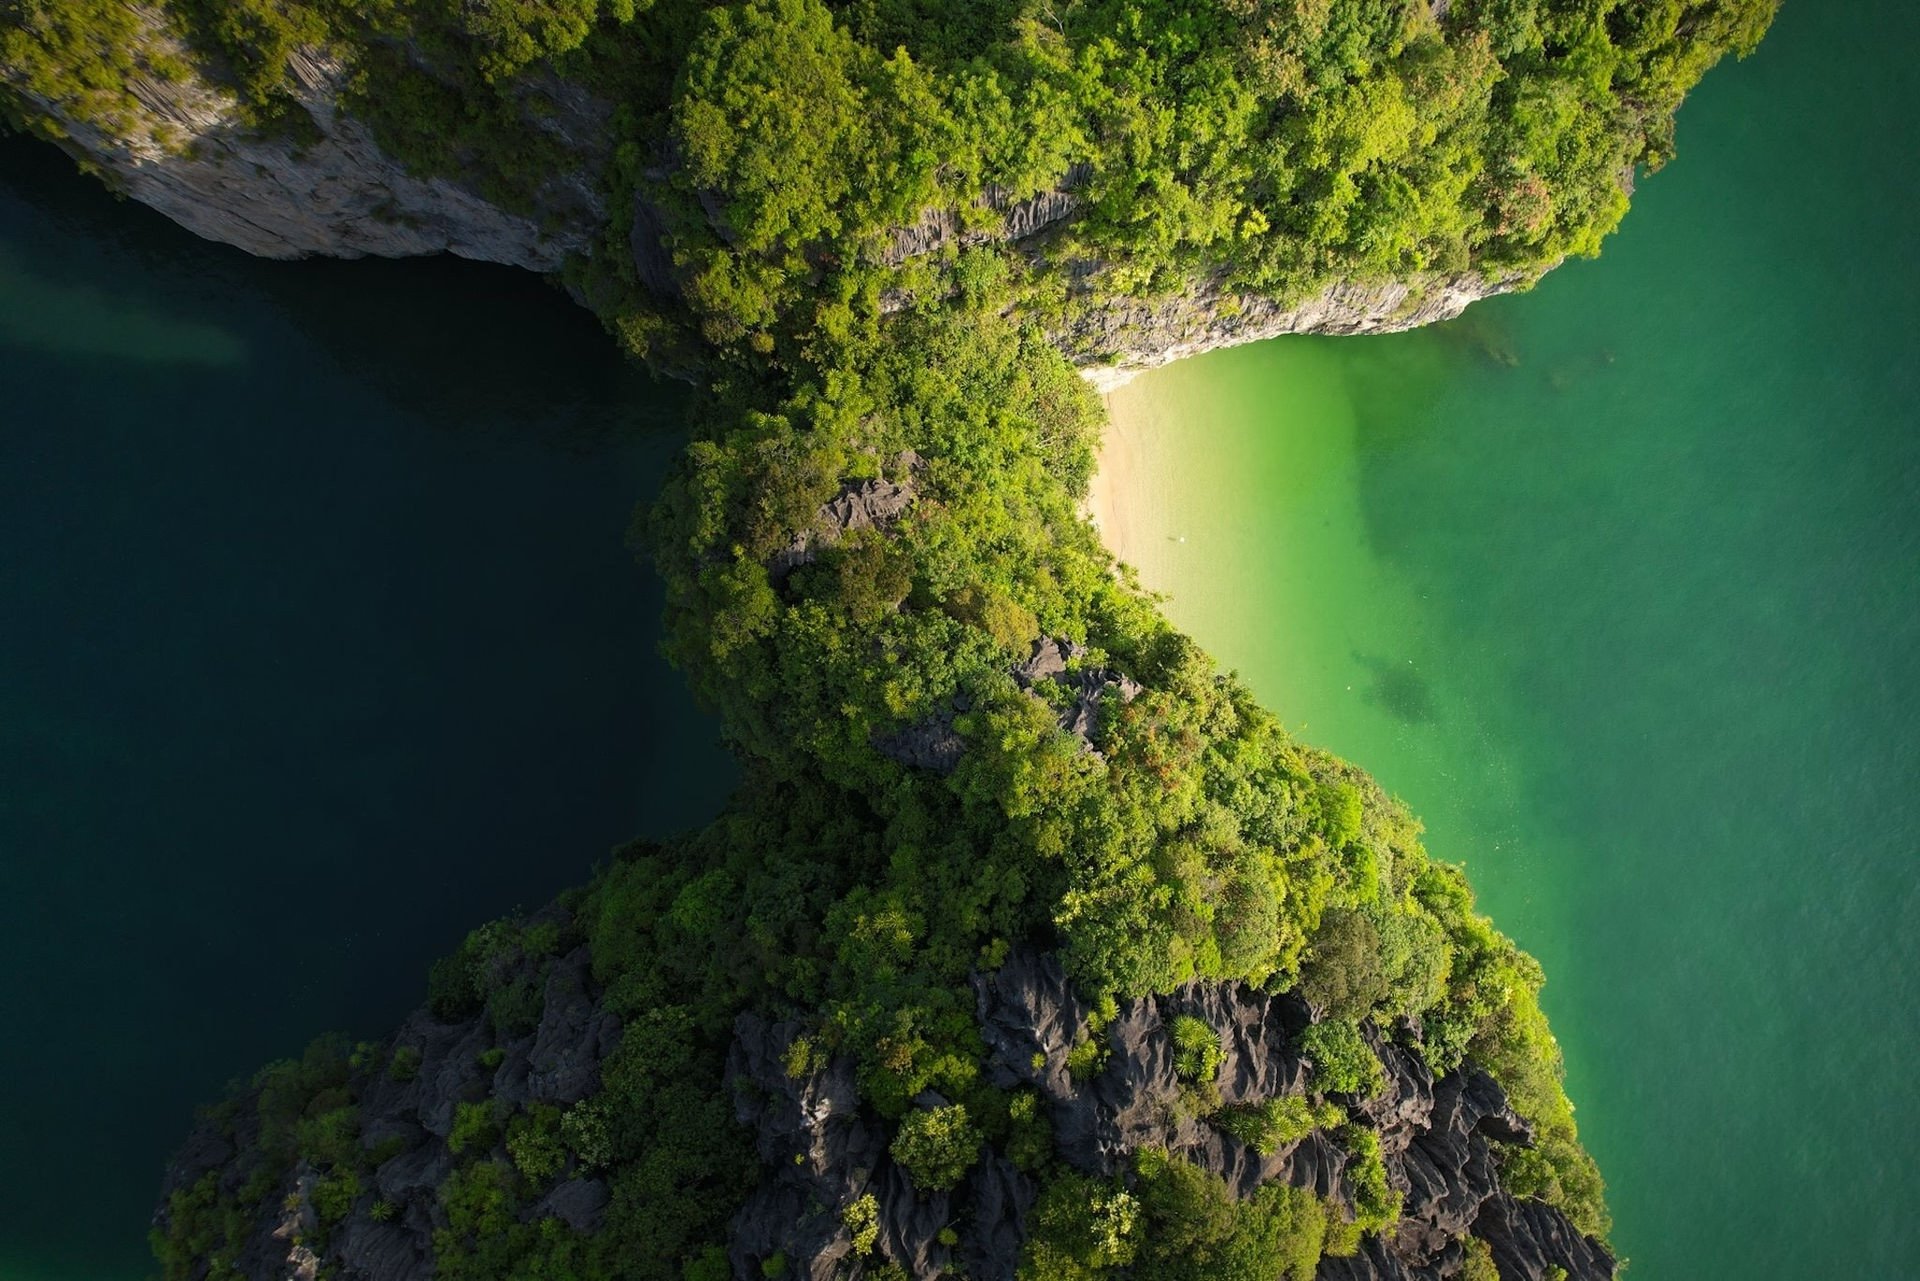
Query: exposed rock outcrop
pixel 189 152
pixel 825 1151
pixel 407 1110
pixel 1087 685
pixel 933 743
pixel 1115 339
pixel 1436 1136
pixel 874 503
pixel 938 229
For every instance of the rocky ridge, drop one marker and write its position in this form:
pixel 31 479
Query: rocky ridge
pixel 822 1148
pixel 825 1150
pixel 408 1101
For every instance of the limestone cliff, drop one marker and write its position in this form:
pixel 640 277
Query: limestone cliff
pixel 187 150
pixel 185 147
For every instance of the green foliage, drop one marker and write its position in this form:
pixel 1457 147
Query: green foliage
pixel 862 1220
pixel 1142 816
pixel 1176 1222
pixel 1341 1059
pixel 1196 1049
pixel 536 1145
pixel 404 1066
pixel 1029 1143
pixel 1079 1228
pixel 1376 1206
pixel 936 1146
pixel 1478 1265
pixel 1276 1123
pixel 474 1126
pixel 333 1197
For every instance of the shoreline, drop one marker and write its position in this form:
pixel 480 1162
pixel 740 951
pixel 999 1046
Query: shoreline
pixel 1113 481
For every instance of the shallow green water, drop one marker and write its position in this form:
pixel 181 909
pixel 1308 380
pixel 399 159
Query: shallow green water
pixel 318 646
pixel 1618 583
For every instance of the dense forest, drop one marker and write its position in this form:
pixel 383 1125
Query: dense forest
pixel 966 732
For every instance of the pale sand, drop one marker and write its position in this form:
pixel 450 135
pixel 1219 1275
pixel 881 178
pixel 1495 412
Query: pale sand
pixel 1114 490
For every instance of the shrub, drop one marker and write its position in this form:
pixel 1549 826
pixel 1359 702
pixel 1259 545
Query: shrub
pixel 1375 1204
pixel 334 1195
pixel 1342 1062
pixel 1029 1143
pixel 405 1064
pixel 936 1146
pixel 862 1220
pixel 1196 1049
pixel 473 1127
pixel 1268 1126
pixel 535 1144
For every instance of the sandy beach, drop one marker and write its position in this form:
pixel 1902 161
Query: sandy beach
pixel 1113 490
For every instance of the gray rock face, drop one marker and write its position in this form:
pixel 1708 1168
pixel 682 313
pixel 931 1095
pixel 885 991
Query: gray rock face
pixel 1435 1135
pixel 1088 686
pixel 190 154
pixel 1117 338
pixel 824 1150
pixel 406 1117
pixel 933 744
pixel 936 229
pixel 874 503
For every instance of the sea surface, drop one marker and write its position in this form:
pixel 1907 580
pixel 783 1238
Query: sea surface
pixel 1617 583
pixel 319 645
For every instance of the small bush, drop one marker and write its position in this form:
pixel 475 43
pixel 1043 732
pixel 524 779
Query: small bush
pixel 1268 1126
pixel 535 1144
pixel 1196 1049
pixel 936 1146
pixel 404 1066
pixel 1375 1204
pixel 1342 1062
pixel 473 1127
pixel 862 1220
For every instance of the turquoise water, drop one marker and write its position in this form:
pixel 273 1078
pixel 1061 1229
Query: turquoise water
pixel 1618 583
pixel 318 646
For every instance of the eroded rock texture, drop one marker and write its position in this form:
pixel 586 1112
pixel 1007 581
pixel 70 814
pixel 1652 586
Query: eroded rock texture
pixel 823 1150
pixel 407 1117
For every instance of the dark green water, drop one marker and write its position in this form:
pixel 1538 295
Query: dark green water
pixel 1618 583
pixel 318 646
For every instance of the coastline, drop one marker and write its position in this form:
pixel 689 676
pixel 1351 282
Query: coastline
pixel 1113 487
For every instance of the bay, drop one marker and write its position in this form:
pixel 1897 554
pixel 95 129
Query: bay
pixel 1617 583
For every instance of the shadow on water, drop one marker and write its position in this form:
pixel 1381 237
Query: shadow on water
pixel 467 347
pixel 1398 689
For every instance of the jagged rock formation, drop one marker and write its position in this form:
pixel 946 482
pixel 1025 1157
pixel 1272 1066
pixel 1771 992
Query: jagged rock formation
pixel 407 1114
pixel 939 229
pixel 1087 686
pixel 824 1150
pixel 1118 338
pixel 874 503
pixel 933 743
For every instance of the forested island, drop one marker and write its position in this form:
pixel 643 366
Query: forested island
pixel 1031 945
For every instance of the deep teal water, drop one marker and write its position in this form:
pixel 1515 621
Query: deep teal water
pixel 1618 583
pixel 318 646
